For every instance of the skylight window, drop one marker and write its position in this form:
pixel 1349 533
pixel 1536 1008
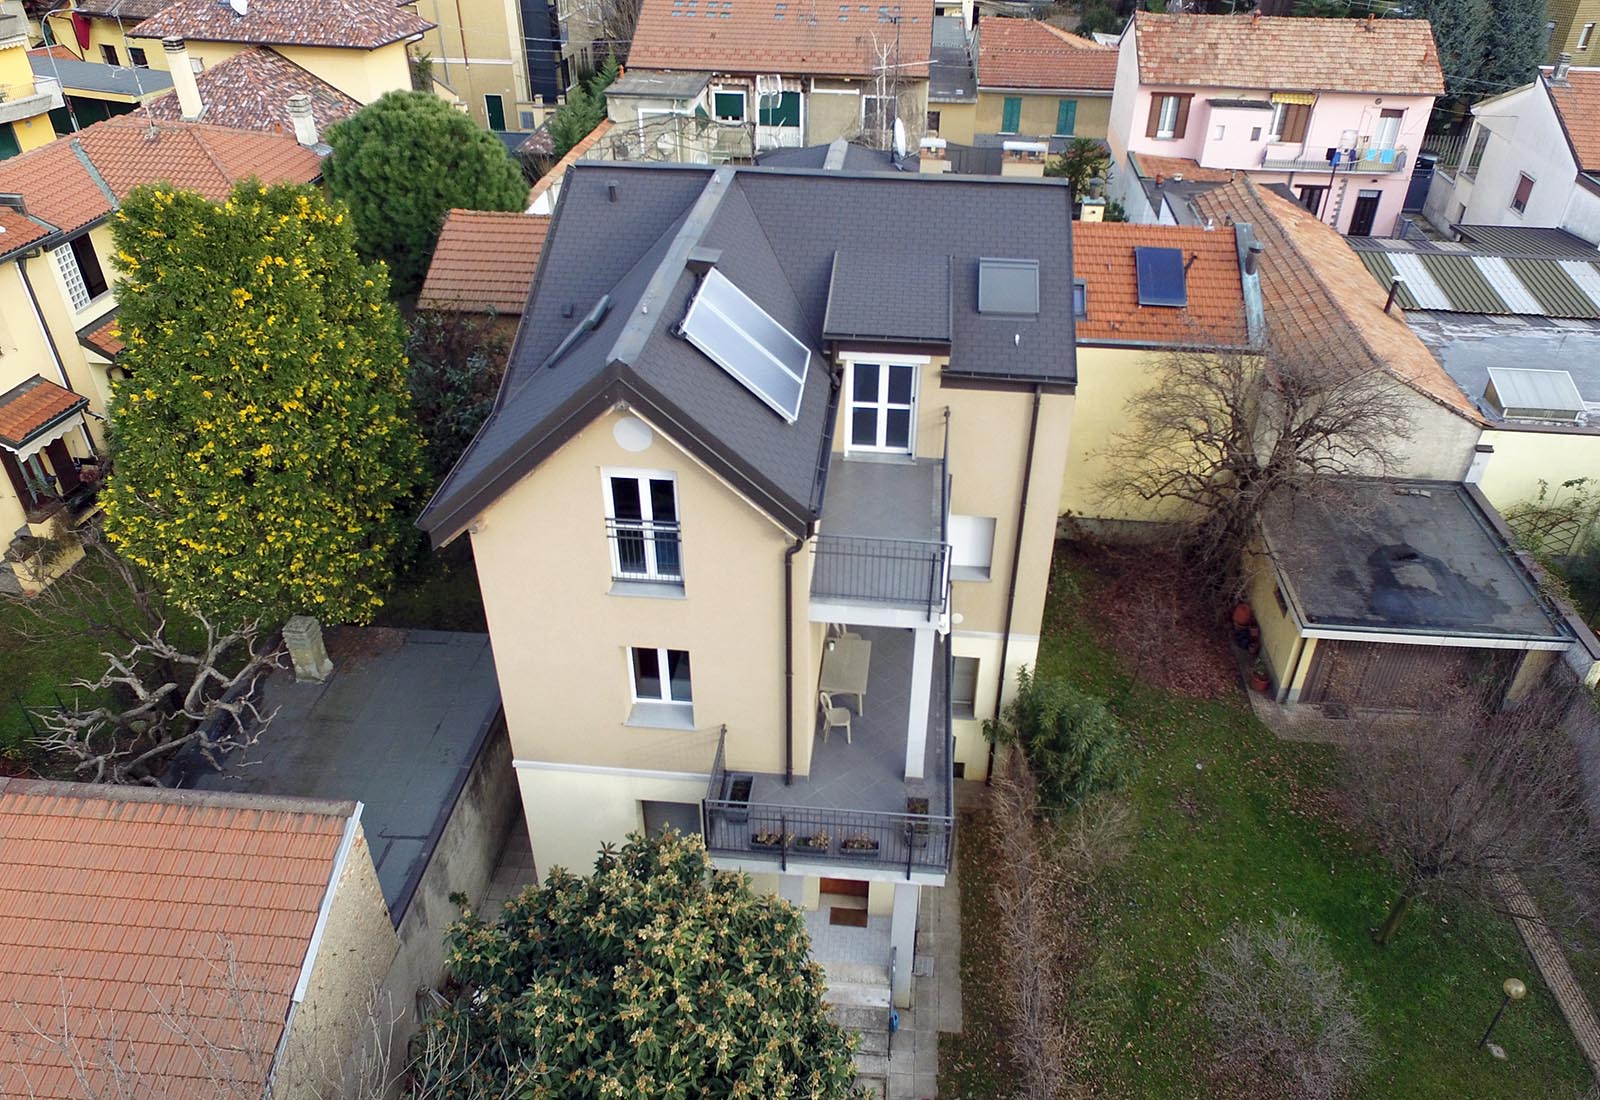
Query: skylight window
pixel 741 338
pixel 1517 393
pixel 1009 287
pixel 1161 277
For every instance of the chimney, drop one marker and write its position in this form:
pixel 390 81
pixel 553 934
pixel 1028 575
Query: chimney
pixel 1255 18
pixel 305 125
pixel 1371 22
pixel 1563 63
pixel 183 81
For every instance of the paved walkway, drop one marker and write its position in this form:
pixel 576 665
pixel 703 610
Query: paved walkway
pixel 936 996
pixel 1553 967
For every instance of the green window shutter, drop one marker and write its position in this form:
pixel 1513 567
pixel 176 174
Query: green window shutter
pixel 728 105
pixel 1066 116
pixel 785 113
pixel 1011 115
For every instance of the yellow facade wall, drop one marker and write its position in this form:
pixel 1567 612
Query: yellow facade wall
pixel 1039 113
pixel 105 31
pixel 1522 458
pixel 477 50
pixel 544 565
pixel 958 122
pixel 1280 639
pixel 570 814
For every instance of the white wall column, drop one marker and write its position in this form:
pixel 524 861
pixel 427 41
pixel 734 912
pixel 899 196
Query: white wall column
pixel 921 696
pixel 792 889
pixel 903 938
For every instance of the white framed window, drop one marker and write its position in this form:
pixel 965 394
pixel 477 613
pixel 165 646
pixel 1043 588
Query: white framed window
pixel 1524 192
pixel 964 688
pixel 1585 35
pixel 80 271
pixel 1255 133
pixel 728 104
pixel 1275 127
pixel 1219 132
pixel 882 403
pixel 660 684
pixel 971 547
pixel 1167 126
pixel 642 526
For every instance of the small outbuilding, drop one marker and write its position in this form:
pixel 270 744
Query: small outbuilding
pixel 1388 591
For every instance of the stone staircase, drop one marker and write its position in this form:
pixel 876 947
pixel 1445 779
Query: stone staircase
pixel 858 1000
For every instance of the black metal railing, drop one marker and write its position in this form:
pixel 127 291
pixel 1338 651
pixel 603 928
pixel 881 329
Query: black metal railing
pixel 893 572
pixel 864 839
pixel 650 551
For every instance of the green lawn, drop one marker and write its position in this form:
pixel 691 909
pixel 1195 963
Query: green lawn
pixel 1232 824
pixel 32 673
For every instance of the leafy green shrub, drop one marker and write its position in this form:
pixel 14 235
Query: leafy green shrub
pixel 1075 745
pixel 653 977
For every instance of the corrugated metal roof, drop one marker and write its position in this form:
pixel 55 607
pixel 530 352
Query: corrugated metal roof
pixel 1585 275
pixel 1508 240
pixel 1558 295
pixel 1505 283
pixel 1425 290
pixel 1468 288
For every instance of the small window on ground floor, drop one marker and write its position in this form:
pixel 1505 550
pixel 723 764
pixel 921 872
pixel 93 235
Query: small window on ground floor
pixel 933 122
pixel 964 688
pixel 728 105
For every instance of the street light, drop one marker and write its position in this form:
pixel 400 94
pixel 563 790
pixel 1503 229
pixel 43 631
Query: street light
pixel 1514 991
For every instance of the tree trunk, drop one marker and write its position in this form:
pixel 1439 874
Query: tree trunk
pixel 1384 933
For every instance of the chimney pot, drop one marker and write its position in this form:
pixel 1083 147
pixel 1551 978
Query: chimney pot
pixel 183 81
pixel 1563 63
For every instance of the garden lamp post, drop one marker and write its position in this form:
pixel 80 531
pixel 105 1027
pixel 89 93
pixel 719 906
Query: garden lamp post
pixel 1514 991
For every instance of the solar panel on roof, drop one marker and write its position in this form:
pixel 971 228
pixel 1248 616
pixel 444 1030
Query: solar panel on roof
pixel 1161 277
pixel 1008 286
pixel 741 338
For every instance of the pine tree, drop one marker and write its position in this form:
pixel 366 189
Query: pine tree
pixel 264 456
pixel 1514 46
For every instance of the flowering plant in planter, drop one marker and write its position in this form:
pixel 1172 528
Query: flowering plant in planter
pixel 767 838
pixel 860 842
pixel 817 841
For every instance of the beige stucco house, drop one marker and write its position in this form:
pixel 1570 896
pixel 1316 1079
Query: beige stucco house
pixel 743 460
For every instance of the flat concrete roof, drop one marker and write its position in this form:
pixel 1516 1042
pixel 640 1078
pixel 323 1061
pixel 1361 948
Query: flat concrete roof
pixel 1468 346
pixel 1406 557
pixel 90 76
pixel 398 726
pixel 659 84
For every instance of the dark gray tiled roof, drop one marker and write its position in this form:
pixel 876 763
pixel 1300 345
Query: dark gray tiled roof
pixel 869 296
pixel 628 231
pixel 952 78
pixel 91 76
pixel 857 158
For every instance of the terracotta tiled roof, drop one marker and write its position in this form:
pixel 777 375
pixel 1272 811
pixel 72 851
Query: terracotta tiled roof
pixel 17 230
pixel 60 188
pixel 1025 53
pixel 339 24
pixel 60 53
pixel 1578 104
pixel 105 338
pixel 29 408
pixel 571 157
pixel 129 11
pixel 251 90
pixel 788 37
pixel 1288 53
pixel 1319 295
pixel 120 903
pixel 1151 166
pixel 1102 256
pixel 484 260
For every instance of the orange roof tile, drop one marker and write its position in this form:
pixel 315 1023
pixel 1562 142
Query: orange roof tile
pixel 1317 293
pixel 251 90
pixel 1025 53
pixel 781 36
pixel 1151 166
pixel 17 230
pixel 1102 256
pixel 568 159
pixel 32 406
pixel 1578 106
pixel 57 185
pixel 484 260
pixel 121 903
pixel 338 24
pixel 1288 53
pixel 106 338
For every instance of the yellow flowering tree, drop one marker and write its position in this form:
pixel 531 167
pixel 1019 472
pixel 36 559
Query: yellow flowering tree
pixel 655 976
pixel 265 457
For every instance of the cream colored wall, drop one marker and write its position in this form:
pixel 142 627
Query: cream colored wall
pixel 363 75
pixel 358 943
pixel 477 50
pixel 571 814
pixel 1522 458
pixel 831 115
pixel 1039 113
pixel 103 31
pixel 545 569
pixel 1441 442
pixel 1280 638
pixel 65 322
pixel 957 121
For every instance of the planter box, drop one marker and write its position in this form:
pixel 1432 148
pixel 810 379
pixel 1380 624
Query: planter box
pixel 802 846
pixel 861 853
pixel 766 845
pixel 737 790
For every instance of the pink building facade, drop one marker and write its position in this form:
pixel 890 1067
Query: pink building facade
pixel 1278 134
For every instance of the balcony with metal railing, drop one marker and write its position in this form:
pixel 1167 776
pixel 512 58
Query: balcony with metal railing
pixel 1356 161
pixel 856 809
pixel 646 553
pixel 28 99
pixel 883 542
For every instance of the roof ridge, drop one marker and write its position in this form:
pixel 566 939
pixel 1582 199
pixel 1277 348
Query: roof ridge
pixel 94 173
pixel 177 796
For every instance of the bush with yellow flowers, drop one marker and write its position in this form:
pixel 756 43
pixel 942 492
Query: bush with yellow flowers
pixel 265 458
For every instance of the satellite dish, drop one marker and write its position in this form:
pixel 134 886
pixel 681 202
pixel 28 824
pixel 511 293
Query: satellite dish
pixel 240 7
pixel 899 138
